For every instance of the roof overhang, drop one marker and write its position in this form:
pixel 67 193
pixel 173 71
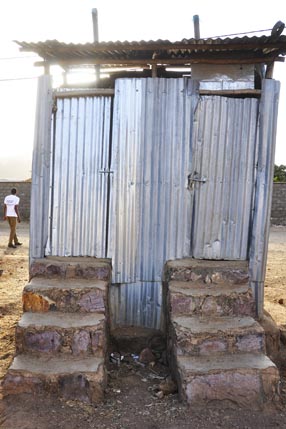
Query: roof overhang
pixel 245 50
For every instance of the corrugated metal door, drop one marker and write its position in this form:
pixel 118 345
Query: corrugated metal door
pixel 79 186
pixel 151 156
pixel 151 203
pixel 223 176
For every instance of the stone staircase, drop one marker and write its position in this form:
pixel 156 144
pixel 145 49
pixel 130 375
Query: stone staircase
pixel 216 348
pixel 62 337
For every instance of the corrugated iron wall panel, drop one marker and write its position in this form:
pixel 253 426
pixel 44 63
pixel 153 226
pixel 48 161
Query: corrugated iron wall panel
pixel 136 304
pixel 151 162
pixel 79 192
pixel 224 146
pixel 162 134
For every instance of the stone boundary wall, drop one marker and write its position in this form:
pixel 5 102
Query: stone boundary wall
pixel 278 210
pixel 23 192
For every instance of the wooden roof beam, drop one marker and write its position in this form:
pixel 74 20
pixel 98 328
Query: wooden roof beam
pixel 109 62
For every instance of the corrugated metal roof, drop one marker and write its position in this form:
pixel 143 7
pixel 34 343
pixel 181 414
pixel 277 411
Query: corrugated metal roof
pixel 244 49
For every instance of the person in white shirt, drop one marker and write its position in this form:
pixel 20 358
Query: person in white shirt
pixel 11 213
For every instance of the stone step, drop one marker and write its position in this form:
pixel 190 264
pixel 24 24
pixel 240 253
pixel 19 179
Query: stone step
pixel 71 267
pixel 189 298
pixel 82 379
pixel 248 380
pixel 199 336
pixel 56 333
pixel 204 272
pixel 66 295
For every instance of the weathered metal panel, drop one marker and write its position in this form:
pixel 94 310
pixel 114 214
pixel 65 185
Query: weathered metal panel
pixel 136 304
pixel 224 146
pixel 151 162
pixel 224 76
pixel 162 138
pixel 267 126
pixel 41 169
pixel 79 192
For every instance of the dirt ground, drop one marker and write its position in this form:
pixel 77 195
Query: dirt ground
pixel 131 400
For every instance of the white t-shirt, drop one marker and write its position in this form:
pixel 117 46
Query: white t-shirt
pixel 11 201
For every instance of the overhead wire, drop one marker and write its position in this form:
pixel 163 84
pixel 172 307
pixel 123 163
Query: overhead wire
pixel 18 78
pixel 19 58
pixel 237 34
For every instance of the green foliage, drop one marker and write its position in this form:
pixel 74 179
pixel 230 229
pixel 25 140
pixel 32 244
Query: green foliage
pixel 279 173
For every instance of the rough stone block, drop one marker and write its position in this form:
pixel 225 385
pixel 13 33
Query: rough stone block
pixel 248 381
pixel 87 296
pixel 211 301
pixel 207 272
pixel 196 336
pixel 55 333
pixel 71 267
pixel 81 379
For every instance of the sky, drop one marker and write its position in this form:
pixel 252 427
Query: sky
pixel 71 21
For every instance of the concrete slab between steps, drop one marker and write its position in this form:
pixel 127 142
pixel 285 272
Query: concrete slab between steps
pixel 67 295
pixel 198 325
pixel 204 364
pixel 39 283
pixel 55 365
pixel 198 336
pixel 61 320
pixel 209 263
pixel 196 290
pixel 249 381
pixel 76 379
pixel 74 260
pixel 62 333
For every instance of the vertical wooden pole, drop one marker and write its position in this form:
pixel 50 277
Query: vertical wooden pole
pixel 268 113
pixel 39 217
pixel 154 70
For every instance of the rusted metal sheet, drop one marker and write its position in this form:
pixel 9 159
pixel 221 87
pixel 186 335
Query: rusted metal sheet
pixel 79 191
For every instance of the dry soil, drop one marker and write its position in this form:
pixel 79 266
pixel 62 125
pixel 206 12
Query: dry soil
pixel 131 400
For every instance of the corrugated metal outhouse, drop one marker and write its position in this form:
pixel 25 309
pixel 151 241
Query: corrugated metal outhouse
pixel 156 163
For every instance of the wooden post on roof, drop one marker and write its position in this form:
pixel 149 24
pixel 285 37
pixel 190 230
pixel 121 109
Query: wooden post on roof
pixel 154 70
pixel 196 21
pixel 46 68
pixel 269 71
pixel 95 38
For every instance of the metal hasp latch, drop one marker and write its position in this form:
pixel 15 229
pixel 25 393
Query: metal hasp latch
pixel 105 171
pixel 195 177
